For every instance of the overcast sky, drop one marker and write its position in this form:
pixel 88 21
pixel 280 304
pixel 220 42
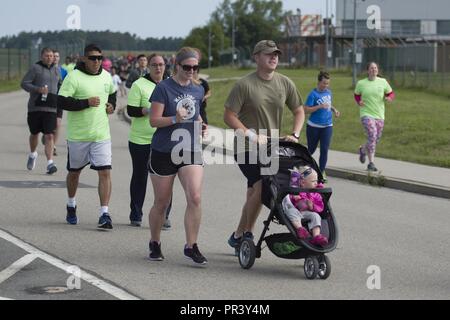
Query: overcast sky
pixel 146 18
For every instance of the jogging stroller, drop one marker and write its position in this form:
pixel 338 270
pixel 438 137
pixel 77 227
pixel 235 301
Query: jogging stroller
pixel 287 245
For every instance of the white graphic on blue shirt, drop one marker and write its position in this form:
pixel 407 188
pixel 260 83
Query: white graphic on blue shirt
pixel 186 102
pixel 325 100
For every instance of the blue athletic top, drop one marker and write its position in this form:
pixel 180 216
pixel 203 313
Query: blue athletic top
pixel 321 117
pixel 63 73
pixel 174 96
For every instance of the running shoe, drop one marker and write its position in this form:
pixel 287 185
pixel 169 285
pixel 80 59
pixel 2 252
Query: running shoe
pixel 71 216
pixel 167 225
pixel 371 167
pixel 31 163
pixel 195 255
pixel 135 223
pixel 248 235
pixel 51 169
pixel 234 242
pixel 325 177
pixel 155 251
pixel 105 222
pixel 362 155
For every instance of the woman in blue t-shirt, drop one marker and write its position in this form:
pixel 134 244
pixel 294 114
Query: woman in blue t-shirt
pixel 176 151
pixel 320 123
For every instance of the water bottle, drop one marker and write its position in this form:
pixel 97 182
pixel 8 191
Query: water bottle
pixel 44 95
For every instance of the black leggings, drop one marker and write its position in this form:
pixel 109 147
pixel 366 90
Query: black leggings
pixel 138 186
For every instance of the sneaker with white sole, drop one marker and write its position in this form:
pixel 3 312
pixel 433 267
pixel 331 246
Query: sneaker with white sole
pixel 105 222
pixel 234 243
pixel 371 167
pixel 155 251
pixel 195 255
pixel 51 169
pixel 31 163
pixel 167 225
pixel 362 155
pixel 71 216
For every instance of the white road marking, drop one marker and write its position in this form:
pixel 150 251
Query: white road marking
pixel 2 298
pixel 35 253
pixel 16 267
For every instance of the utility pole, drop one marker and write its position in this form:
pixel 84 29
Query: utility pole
pixel 209 46
pixel 233 38
pixel 354 43
pixel 327 31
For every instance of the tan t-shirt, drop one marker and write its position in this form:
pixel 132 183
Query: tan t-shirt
pixel 259 103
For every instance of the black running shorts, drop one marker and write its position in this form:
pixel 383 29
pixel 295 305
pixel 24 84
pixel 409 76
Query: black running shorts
pixel 44 122
pixel 251 170
pixel 162 164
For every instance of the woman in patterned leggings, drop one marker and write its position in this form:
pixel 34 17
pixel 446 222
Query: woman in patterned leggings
pixel 370 94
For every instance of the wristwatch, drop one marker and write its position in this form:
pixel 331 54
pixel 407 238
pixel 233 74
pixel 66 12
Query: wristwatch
pixel 174 119
pixel 295 135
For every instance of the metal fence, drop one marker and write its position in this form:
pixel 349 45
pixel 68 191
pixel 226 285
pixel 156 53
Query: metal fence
pixel 14 63
pixel 424 65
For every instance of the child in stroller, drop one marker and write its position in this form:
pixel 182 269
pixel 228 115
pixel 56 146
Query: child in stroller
pixel 305 205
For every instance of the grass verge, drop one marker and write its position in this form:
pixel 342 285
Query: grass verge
pixel 417 126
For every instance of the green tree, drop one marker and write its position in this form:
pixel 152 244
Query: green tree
pixel 199 38
pixel 105 39
pixel 254 20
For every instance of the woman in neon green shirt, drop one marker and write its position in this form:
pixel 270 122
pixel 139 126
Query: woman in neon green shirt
pixel 140 137
pixel 370 94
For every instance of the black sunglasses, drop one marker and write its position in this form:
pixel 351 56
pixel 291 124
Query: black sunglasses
pixel 187 67
pixel 94 58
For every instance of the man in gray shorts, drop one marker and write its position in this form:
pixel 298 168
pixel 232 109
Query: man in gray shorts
pixel 89 96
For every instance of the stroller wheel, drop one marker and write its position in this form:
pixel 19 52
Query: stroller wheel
pixel 247 253
pixel 311 267
pixel 324 267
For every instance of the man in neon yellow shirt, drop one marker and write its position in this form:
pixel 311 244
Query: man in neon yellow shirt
pixel 89 96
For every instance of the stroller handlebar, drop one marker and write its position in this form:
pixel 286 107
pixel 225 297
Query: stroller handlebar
pixel 287 190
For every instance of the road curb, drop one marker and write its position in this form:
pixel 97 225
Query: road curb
pixel 373 179
pixel 379 180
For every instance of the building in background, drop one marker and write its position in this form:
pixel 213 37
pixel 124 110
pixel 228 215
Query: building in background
pixel 412 35
pixel 407 36
pixel 399 18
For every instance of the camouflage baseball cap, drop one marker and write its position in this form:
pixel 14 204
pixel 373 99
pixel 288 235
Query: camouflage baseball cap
pixel 266 46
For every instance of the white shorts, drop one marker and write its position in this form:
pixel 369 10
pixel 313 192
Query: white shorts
pixel 80 154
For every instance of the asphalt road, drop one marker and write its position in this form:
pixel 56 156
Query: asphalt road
pixel 405 236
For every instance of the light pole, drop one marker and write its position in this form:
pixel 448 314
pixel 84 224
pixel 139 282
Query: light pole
pixel 209 46
pixel 233 39
pixel 354 43
pixel 327 29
